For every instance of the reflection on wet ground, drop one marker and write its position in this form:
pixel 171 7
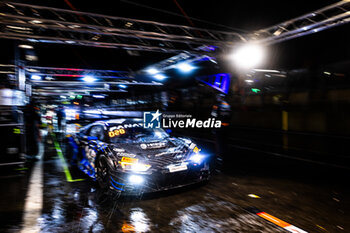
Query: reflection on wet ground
pixel 222 205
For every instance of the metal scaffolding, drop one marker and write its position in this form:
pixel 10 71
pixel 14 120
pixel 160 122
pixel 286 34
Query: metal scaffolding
pixel 58 81
pixel 316 21
pixel 51 25
pixel 54 72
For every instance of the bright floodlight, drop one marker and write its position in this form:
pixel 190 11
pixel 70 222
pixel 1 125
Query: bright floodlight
pixel 185 67
pixel 248 56
pixel 152 71
pixel 35 77
pixel 160 76
pixel 89 79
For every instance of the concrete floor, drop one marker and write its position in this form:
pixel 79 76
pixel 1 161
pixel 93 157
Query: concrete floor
pixel 311 197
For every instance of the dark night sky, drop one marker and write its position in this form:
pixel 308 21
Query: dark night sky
pixel 317 49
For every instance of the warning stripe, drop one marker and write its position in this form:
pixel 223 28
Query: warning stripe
pixel 280 223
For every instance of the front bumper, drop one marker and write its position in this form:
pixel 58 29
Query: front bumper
pixel 159 180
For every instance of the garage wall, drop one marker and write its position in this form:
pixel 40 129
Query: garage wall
pixel 319 112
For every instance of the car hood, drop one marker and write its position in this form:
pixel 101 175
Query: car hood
pixel 172 148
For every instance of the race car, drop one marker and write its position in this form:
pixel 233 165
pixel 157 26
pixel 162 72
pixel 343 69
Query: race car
pixel 124 157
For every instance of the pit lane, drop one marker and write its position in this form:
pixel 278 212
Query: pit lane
pixel 228 203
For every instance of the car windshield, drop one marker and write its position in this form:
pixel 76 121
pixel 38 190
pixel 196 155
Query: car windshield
pixel 135 134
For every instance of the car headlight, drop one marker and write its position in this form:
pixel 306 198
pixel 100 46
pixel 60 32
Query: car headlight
pixel 133 164
pixel 134 179
pixel 197 158
pixel 140 167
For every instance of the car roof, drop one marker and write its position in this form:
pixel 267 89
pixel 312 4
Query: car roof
pixel 119 121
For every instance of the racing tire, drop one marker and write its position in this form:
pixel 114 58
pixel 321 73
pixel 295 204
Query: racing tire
pixel 102 172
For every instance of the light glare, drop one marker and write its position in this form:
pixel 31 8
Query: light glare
pixel 248 56
pixel 185 67
pixel 152 71
pixel 89 79
pixel 140 167
pixel 134 179
pixel 36 77
pixel 160 76
pixel 122 86
pixel 197 158
pixel 25 46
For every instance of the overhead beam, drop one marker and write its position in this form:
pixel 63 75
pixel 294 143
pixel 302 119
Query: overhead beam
pixel 52 25
pixel 327 17
pixel 80 83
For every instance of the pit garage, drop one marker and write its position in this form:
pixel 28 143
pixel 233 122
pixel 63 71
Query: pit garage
pixel 129 116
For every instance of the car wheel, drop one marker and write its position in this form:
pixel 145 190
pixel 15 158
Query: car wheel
pixel 102 172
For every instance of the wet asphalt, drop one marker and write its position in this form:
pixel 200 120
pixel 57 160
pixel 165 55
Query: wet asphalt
pixel 311 197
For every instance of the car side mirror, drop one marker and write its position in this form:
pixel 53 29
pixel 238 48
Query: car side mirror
pixel 92 138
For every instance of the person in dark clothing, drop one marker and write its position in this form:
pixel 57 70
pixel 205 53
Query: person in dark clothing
pixel 222 111
pixel 60 116
pixel 32 124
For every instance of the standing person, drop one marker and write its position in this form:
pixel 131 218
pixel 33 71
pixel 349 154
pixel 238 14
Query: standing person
pixel 32 126
pixel 222 111
pixel 60 117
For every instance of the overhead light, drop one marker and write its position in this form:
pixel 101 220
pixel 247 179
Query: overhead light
pixel 63 97
pixel 185 67
pixel 49 78
pixel 89 79
pixel 25 46
pixel 98 96
pixel 128 24
pixel 267 71
pixel 35 77
pixel 152 71
pixel 31 57
pixel 249 81
pixel 74 26
pixel 160 76
pixel 36 21
pixel 248 56
pixel 122 86
pixel 19 28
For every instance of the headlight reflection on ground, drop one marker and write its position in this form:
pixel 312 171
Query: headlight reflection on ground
pixel 139 220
